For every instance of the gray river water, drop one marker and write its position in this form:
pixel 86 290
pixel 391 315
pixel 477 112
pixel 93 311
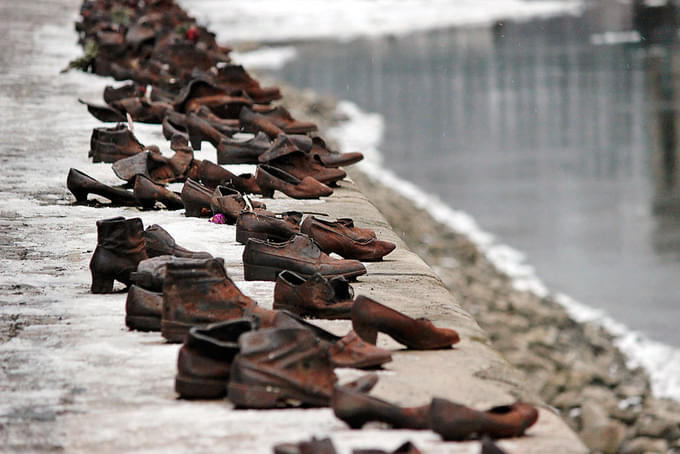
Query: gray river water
pixel 563 149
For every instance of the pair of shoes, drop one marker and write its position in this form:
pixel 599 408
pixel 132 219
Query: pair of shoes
pixel 122 244
pixel 264 260
pixel 452 421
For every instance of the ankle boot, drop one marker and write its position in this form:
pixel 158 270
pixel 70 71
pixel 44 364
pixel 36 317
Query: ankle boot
pixel 348 242
pixel 204 361
pixel 197 295
pixel 160 242
pixel 81 185
pixel 264 227
pixel 356 409
pixel 281 367
pixel 111 144
pixel 196 199
pixel 143 309
pixel 148 193
pixel 270 178
pixel 316 297
pixel 369 317
pixel 213 175
pixel 455 422
pixel 120 248
pixel 231 151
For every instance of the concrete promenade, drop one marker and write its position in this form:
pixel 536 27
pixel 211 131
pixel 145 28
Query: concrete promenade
pixel 74 379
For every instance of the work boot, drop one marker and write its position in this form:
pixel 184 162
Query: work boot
pixel 270 178
pixel 198 295
pixel 213 175
pixel 112 144
pixel 316 297
pixel 264 227
pixel 232 151
pixel 279 368
pixel 264 260
pixel 196 199
pixel 314 446
pixel 369 317
pixel 143 309
pixel 81 185
pixel 160 242
pixel 455 422
pixel 148 193
pixel 205 359
pixel 120 248
pixel 356 409
pixel 347 242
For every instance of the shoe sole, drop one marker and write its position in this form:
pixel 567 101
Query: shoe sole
pixel 199 388
pixel 143 323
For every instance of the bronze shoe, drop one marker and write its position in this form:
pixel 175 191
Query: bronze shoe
pixel 236 78
pixel 131 90
pixel 369 317
pixel 316 297
pixel 316 148
pixel 230 203
pixel 262 226
pixel 279 367
pixel 254 122
pixel 204 361
pixel 352 351
pixel 81 185
pixel 280 117
pixel 455 422
pixel 150 274
pixel 196 199
pixel 224 106
pixel 120 248
pixel 232 151
pixel 143 309
pixel 111 144
pixel 148 193
pixel 200 130
pixel 264 260
pixel 356 409
pixel 197 295
pixel 348 242
pixel 213 175
pixel 270 178
pixel 144 163
pixel 160 242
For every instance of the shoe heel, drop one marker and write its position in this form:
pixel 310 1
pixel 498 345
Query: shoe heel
pixel 251 396
pixel 101 283
pixel 195 142
pixel 367 332
pixel 267 193
pixel 259 273
pixel 197 388
pixel 81 196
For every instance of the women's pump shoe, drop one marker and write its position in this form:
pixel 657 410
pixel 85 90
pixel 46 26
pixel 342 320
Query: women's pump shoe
pixel 370 317
pixel 81 185
pixel 120 247
pixel 270 178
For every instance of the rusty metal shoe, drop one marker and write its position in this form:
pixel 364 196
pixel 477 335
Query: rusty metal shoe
pixel 120 248
pixel 200 131
pixel 369 317
pixel 213 175
pixel 316 148
pixel 280 117
pixel 250 224
pixel 455 422
pixel 314 446
pixel 144 163
pixel 346 241
pixel 131 90
pixel 224 106
pixel 281 367
pixel 233 151
pixel 357 408
pixel 81 185
pixel 235 77
pixel 198 295
pixel 143 309
pixel 270 178
pixel 160 242
pixel 205 359
pixel 148 193
pixel 151 272
pixel 196 199
pixel 264 260
pixel 352 351
pixel 284 154
pixel 230 203
pixel 111 144
pixel 316 297
pixel 254 123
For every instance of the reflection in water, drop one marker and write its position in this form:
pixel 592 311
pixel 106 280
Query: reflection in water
pixel 541 136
